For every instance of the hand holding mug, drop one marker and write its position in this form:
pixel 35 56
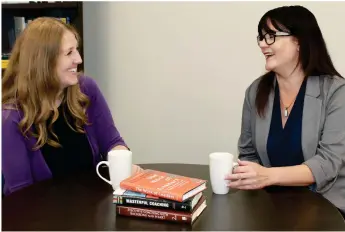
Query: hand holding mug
pixel 249 175
pixel 136 169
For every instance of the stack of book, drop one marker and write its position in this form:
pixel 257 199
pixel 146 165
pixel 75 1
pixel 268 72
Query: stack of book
pixel 159 195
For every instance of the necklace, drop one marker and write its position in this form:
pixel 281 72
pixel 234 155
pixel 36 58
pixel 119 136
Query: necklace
pixel 286 108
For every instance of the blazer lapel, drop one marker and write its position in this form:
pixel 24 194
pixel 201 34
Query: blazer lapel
pixel 310 122
pixel 262 129
pixel 311 117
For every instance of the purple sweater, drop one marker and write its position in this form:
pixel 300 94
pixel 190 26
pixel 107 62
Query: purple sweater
pixel 21 166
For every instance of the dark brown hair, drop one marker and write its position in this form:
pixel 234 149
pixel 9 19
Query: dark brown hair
pixel 313 55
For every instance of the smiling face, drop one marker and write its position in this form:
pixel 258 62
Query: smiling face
pixel 282 55
pixel 68 60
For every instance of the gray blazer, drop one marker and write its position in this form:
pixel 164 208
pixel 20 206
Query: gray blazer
pixel 323 134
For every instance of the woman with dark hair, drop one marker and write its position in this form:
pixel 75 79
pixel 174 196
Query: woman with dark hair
pixel 293 119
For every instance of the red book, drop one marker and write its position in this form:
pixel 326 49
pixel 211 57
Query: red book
pixel 161 214
pixel 164 185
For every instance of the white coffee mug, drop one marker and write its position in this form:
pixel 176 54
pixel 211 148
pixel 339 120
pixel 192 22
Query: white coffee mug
pixel 120 167
pixel 220 164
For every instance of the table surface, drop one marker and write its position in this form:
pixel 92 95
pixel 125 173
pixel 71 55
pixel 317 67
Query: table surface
pixel 85 203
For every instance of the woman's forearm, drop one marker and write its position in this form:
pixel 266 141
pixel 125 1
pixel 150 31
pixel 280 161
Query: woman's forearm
pixel 299 175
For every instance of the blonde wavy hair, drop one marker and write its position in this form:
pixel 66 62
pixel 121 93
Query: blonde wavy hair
pixel 30 83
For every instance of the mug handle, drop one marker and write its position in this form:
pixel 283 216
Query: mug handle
pixel 235 164
pixel 100 163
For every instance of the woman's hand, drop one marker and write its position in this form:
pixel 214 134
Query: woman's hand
pixel 250 175
pixel 120 147
pixel 136 169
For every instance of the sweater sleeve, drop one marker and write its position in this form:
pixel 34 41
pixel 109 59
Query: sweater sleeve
pixel 330 155
pixel 245 142
pixel 16 169
pixel 107 135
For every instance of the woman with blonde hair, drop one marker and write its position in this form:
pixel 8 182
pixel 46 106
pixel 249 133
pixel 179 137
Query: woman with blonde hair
pixel 55 121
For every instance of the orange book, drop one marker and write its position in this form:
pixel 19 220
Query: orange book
pixel 164 185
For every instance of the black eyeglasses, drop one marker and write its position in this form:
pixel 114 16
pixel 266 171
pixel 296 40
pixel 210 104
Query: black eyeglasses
pixel 270 37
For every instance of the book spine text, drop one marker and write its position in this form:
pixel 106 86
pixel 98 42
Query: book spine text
pixel 153 214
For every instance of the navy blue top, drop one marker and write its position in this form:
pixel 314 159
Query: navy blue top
pixel 284 145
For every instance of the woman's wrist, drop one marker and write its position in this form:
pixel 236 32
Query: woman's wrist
pixel 273 176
